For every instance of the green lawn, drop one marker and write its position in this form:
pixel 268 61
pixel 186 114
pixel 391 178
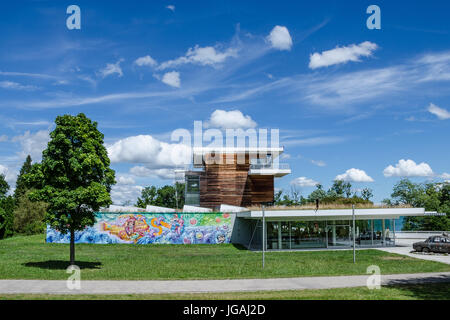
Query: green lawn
pixel 431 291
pixel 29 257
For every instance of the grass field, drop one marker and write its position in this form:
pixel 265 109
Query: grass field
pixel 432 291
pixel 29 257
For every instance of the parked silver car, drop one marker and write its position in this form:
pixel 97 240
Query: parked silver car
pixel 439 244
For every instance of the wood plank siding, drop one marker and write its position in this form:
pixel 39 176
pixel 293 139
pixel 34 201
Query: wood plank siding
pixel 229 183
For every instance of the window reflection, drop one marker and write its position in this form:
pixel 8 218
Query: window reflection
pixel 329 234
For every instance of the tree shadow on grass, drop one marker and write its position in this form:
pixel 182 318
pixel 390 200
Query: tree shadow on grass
pixel 62 264
pixel 427 287
pixel 240 246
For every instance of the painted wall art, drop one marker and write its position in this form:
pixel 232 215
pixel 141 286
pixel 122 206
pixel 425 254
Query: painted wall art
pixel 148 228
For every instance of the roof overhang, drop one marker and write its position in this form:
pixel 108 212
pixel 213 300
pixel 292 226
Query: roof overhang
pixel 246 150
pixel 334 214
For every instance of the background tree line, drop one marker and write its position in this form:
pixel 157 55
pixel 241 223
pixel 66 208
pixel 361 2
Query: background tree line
pixel 431 196
pixel 18 214
pixel 167 196
pixel 339 193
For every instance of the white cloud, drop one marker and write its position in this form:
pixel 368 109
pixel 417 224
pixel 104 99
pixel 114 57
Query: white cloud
pixel 146 61
pixel 342 55
pixel 204 56
pixel 304 182
pixel 162 173
pixel 122 193
pixel 172 79
pixel 16 86
pixel 149 151
pixel 171 7
pixel 112 68
pixel 230 120
pixel 318 163
pixel 408 168
pixel 280 38
pixel 10 176
pixel 442 114
pixel 354 175
pixel 124 180
pixel 342 90
pixel 3 138
pixel 24 74
pixel 445 176
pixel 32 144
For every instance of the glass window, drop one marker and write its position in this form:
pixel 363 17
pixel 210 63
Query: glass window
pixel 308 234
pixel 339 236
pixel 363 233
pixel 192 183
pixel 272 235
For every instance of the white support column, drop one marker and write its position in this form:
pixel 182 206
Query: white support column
pixel 393 222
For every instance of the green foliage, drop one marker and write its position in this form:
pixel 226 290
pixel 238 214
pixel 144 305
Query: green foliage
pixel 164 196
pixel 292 199
pixel 366 194
pixel 29 216
pixel 21 184
pixel 431 196
pixel 7 205
pixel 339 193
pixel 74 177
pixel 319 194
pixel 407 192
pixel 341 188
pixel 4 187
pixel 6 210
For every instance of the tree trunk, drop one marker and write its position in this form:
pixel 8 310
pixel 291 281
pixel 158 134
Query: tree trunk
pixel 72 246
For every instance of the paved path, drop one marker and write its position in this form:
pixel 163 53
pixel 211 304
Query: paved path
pixel 406 250
pixel 183 286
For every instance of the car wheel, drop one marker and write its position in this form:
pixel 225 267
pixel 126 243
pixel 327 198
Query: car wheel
pixel 426 250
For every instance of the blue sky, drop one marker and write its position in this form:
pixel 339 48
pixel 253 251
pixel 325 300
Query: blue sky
pixel 343 97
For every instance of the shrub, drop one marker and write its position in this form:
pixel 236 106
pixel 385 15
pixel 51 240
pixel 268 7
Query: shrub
pixel 7 205
pixel 29 216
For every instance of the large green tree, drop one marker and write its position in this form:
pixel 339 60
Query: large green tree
pixel 74 177
pixel 431 196
pixel 21 184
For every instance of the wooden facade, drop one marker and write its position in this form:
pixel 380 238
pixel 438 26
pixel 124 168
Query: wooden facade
pixel 229 183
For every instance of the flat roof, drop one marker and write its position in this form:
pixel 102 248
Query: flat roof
pixel 333 214
pixel 206 150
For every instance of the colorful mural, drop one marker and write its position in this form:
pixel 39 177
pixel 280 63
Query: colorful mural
pixel 147 228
